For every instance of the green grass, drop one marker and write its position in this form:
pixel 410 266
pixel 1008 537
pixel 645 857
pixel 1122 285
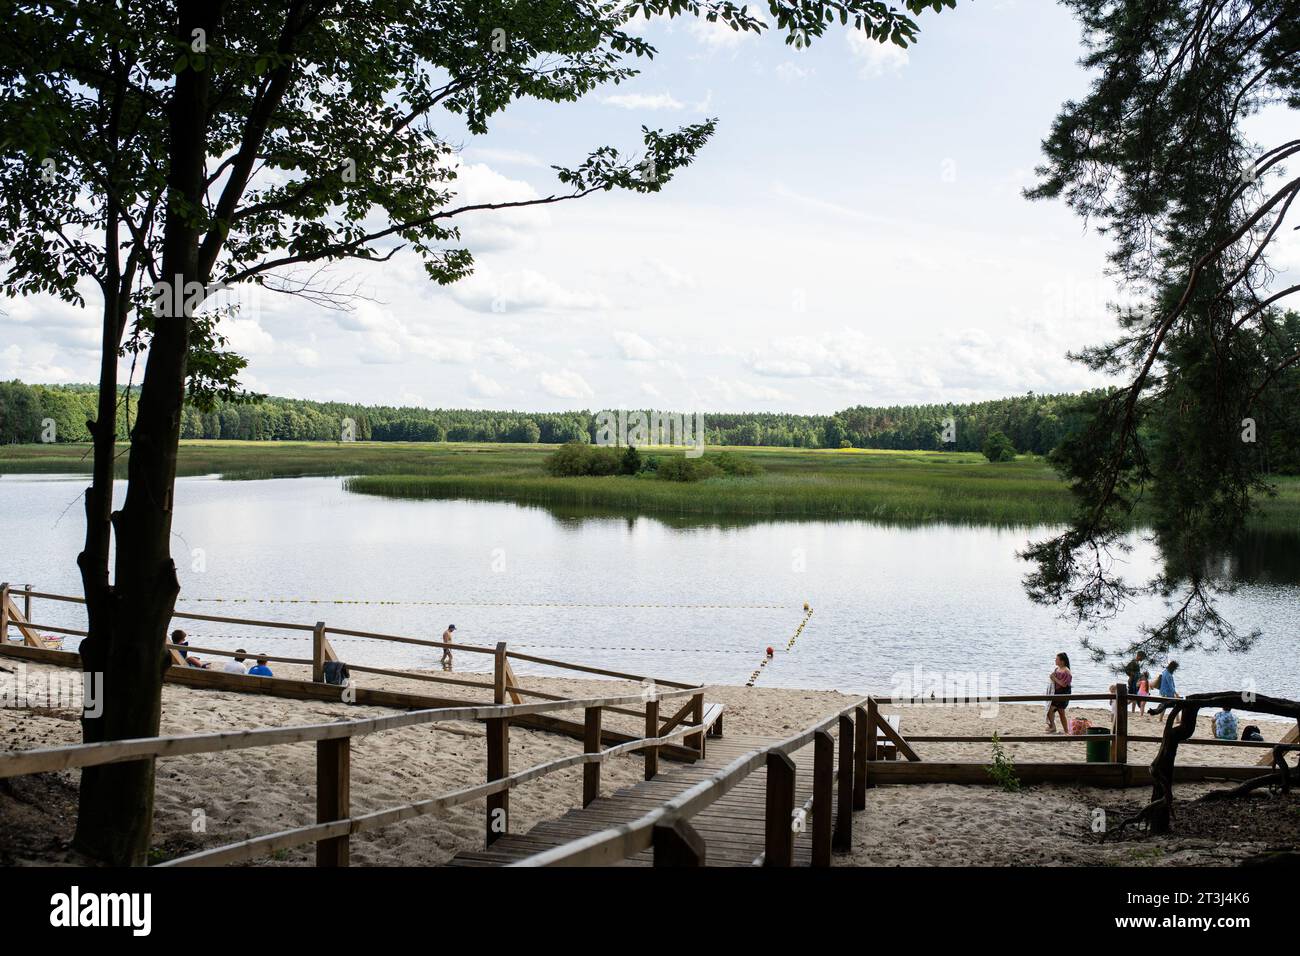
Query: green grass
pixel 795 483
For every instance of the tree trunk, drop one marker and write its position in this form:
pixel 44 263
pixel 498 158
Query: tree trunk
pixel 116 807
pixel 1162 768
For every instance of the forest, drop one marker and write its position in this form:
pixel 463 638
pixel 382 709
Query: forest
pixel 1035 424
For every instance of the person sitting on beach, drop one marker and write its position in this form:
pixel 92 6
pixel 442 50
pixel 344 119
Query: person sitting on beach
pixel 1143 691
pixel 446 651
pixel 179 638
pixel 237 666
pixel 260 669
pixel 1225 724
pixel 1166 686
pixel 1062 680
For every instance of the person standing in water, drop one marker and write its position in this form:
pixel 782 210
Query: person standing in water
pixel 446 650
pixel 1062 680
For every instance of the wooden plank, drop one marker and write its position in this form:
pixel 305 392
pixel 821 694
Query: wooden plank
pixel 1292 736
pixel 1119 746
pixel 651 723
pixel 860 725
pixel 1084 774
pixel 779 842
pixel 897 740
pixel 697 740
pixel 318 653
pixel 823 786
pixel 15 618
pixel 333 797
pixel 843 840
pixel 677 844
pixel 591 745
pixel 511 682
pixel 498 766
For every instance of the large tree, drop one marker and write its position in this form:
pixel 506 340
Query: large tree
pixel 1159 156
pixel 160 150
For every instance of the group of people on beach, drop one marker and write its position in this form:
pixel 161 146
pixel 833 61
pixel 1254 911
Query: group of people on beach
pixel 1140 687
pixel 238 665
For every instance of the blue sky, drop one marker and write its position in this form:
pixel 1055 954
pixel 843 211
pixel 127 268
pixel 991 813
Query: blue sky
pixel 854 234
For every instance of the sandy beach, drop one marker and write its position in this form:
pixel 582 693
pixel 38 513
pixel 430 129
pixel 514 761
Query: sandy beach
pixel 209 800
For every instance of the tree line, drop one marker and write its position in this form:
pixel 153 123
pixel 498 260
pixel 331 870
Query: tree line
pixel 1032 423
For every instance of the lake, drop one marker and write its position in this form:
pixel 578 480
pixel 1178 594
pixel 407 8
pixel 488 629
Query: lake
pixel 671 598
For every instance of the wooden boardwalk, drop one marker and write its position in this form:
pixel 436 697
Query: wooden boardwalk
pixel 732 827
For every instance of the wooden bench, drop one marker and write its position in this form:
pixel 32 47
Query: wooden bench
pixel 713 719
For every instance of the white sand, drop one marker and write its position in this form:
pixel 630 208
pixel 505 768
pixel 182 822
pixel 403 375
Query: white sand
pixel 253 792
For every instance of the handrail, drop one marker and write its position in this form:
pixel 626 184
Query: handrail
pixel 321 652
pixel 41 760
pixel 298 836
pixel 619 842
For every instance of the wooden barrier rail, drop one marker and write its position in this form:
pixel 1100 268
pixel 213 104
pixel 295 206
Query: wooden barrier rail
pixel 668 832
pixel 676 843
pixel 335 824
pixel 323 652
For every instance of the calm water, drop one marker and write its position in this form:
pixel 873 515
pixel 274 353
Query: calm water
pixel 574 586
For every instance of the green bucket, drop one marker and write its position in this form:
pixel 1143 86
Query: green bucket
pixel 1098 750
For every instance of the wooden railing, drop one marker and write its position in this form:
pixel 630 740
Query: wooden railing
pixel 322 651
pixel 503 682
pixel 840 783
pixel 335 822
pixel 839 787
pixel 1119 736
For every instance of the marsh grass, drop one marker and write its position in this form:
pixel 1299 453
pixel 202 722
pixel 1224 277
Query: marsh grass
pixel 909 486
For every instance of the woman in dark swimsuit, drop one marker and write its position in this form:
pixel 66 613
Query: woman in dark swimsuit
pixel 1061 679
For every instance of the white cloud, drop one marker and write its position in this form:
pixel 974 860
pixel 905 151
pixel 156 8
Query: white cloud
pixel 790 72
pixel 876 58
pixel 484 386
pixel 645 101
pixel 247 337
pixel 565 384
pixel 634 347
pixel 521 290
pixel 719 35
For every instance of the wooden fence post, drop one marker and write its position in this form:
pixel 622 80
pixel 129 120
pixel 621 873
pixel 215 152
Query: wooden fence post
pixel 591 745
pixel 873 718
pixel 677 844
pixel 651 730
pixel 844 815
pixel 4 613
pixel 498 755
pixel 1119 746
pixel 27 601
pixel 697 715
pixel 779 819
pixel 860 726
pixel 318 652
pixel 823 786
pixel 333 797
pixel 499 665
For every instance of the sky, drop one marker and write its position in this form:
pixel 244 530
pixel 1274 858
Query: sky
pixel 854 234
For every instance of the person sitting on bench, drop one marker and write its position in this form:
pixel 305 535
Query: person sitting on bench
pixel 260 670
pixel 179 638
pixel 237 666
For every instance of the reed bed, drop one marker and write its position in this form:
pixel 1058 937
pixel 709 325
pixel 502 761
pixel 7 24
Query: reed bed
pixel 906 486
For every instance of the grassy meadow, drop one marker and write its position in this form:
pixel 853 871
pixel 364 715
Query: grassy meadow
pixel 829 483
